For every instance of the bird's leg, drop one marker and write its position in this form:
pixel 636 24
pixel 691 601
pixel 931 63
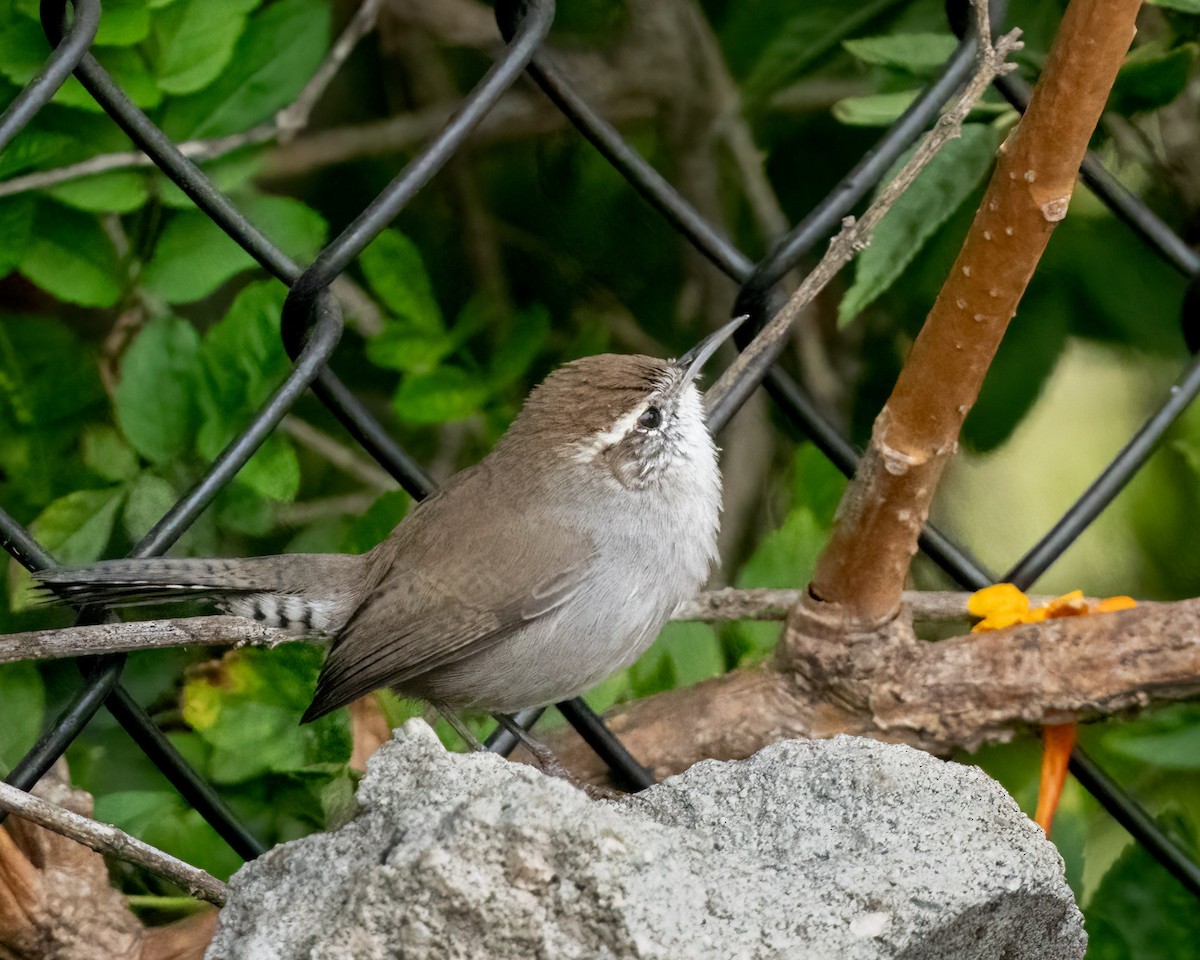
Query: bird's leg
pixel 460 728
pixel 546 761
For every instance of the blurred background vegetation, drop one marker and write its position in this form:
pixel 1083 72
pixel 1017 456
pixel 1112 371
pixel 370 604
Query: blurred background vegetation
pixel 136 340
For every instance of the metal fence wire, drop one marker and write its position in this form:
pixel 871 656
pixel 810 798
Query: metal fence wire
pixel 312 326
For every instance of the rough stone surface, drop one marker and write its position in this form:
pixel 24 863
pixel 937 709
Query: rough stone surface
pixel 845 848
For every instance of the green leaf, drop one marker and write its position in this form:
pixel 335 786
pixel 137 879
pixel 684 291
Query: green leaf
pixel 242 510
pixel 124 23
pixel 875 109
pixel 132 74
pixel 683 654
pixel 1183 6
pixel 787 556
pixel 244 361
pixel 107 454
pixel 1151 78
pixel 119 191
pixel 72 258
pixel 526 338
pixel 279 51
pixel 396 274
pixel 24 697
pixel 1168 737
pixel 274 470
pixel 23 53
pixel 194 40
pixel 48 141
pixel 163 819
pixel 816 29
pixel 937 192
pixel 46 375
pixel 23 46
pixel 194 256
pixel 883 109
pixel 156 399
pixel 1140 912
pixel 249 713
pixel 377 523
pixel 243 354
pixel 408 351
pixel 921 54
pixel 75 529
pixel 148 501
pixel 448 393
pixel 16 227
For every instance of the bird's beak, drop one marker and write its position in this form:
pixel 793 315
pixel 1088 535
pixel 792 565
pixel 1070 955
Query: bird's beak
pixel 694 360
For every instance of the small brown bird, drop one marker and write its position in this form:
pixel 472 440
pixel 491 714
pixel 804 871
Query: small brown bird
pixel 524 580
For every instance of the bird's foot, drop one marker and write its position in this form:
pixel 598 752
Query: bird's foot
pixel 545 760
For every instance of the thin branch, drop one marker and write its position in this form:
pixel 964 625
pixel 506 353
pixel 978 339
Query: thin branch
pixel 197 150
pixel 345 458
pixel 515 117
pixel 855 235
pixel 107 839
pixel 306 511
pixel 100 638
pixel 292 119
pixel 282 127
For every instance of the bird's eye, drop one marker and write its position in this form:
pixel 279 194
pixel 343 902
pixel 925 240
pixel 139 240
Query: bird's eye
pixel 651 418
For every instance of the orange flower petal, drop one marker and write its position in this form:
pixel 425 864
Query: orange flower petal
pixel 1058 741
pixel 999 596
pixel 1113 604
pixel 1068 605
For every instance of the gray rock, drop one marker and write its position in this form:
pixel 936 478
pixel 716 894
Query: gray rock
pixel 844 848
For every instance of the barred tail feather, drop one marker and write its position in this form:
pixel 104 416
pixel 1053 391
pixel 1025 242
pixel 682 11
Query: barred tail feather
pixel 311 594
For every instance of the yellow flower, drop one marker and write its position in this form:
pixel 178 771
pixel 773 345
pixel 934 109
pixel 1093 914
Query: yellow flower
pixel 1003 605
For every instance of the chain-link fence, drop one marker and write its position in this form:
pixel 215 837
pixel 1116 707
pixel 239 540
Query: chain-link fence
pixel 312 326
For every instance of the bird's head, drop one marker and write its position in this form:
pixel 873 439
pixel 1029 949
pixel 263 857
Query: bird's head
pixel 636 418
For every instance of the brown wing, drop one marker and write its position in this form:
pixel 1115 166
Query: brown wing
pixel 451 582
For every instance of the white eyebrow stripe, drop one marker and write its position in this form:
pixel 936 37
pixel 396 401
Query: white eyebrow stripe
pixel 603 439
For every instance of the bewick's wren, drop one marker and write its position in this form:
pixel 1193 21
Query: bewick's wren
pixel 524 580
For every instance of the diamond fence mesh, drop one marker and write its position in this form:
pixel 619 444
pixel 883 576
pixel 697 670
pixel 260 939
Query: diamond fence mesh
pixel 312 326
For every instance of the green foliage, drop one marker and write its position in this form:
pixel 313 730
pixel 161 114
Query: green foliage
pixel 156 399
pixel 273 59
pixel 919 54
pixel 1152 77
pixel 70 257
pixel 1140 912
pixel 24 699
pixel 194 256
pixel 784 40
pixel 787 556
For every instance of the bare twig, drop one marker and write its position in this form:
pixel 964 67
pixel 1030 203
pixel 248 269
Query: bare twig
pixel 292 119
pixel 855 235
pixel 306 511
pixel 341 456
pixel 282 127
pixel 107 839
pixel 516 116
pixel 215 631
